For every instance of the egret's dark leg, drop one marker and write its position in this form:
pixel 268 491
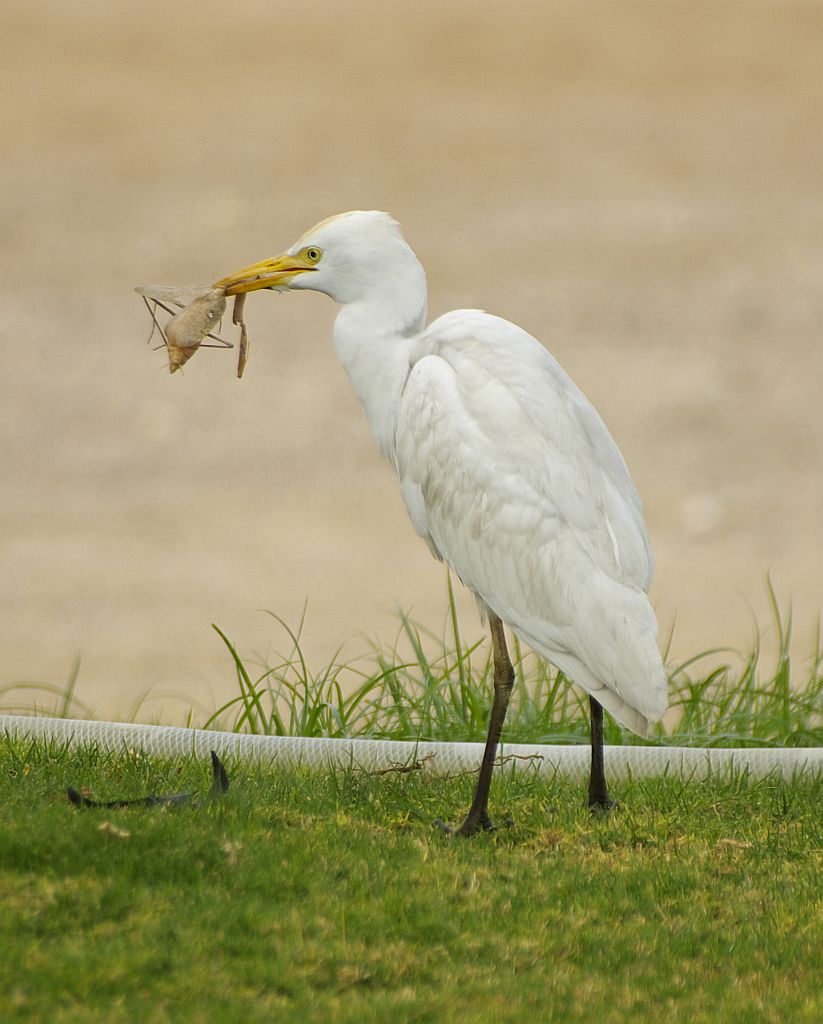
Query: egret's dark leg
pixel 598 794
pixel 478 816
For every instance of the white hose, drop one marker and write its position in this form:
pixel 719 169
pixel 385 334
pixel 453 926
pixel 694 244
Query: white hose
pixel 437 758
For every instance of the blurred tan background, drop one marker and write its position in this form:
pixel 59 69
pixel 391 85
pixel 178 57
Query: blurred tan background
pixel 637 184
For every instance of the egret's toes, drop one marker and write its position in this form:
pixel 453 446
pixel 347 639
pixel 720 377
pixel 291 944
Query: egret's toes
pixel 474 824
pixel 468 828
pixel 603 805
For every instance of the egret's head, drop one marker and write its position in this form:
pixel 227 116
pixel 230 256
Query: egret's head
pixel 349 257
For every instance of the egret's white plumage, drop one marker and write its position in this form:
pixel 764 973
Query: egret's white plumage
pixel 506 469
pixel 513 479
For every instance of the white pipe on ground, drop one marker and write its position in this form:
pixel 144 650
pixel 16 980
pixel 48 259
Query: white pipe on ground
pixel 439 758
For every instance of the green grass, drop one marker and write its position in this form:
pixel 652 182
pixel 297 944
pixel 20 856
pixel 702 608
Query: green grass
pixel 423 686
pixel 329 896
pixel 428 687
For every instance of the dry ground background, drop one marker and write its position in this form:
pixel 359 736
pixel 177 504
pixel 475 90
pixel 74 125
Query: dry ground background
pixel 638 184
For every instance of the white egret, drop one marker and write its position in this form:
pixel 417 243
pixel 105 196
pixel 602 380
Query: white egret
pixel 507 472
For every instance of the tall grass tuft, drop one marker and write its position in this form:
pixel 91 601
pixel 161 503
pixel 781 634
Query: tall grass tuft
pixel 747 704
pixel 35 698
pixel 429 687
pixel 425 686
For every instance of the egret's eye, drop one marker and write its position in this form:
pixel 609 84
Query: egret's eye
pixel 313 254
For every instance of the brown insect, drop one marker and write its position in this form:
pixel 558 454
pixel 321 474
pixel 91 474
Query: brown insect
pixel 195 315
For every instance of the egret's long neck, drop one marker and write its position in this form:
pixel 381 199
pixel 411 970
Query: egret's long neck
pixel 372 338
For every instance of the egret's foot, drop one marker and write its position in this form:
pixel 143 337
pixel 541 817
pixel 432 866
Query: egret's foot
pixel 470 827
pixel 475 823
pixel 602 804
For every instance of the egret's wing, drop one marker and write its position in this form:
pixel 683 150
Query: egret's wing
pixel 511 476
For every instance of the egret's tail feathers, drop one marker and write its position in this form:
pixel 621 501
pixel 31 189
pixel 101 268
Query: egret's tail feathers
pixel 622 712
pixel 634 702
pixel 610 649
pixel 625 715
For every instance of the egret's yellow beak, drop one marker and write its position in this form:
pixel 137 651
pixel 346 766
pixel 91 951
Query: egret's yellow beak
pixel 273 273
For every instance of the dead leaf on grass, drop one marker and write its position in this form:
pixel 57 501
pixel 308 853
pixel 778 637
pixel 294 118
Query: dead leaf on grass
pixel 108 828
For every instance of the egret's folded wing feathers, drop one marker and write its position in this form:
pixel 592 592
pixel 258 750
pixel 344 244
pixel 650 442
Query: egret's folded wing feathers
pixel 511 477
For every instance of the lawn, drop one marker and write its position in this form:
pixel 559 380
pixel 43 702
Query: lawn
pixel 330 896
